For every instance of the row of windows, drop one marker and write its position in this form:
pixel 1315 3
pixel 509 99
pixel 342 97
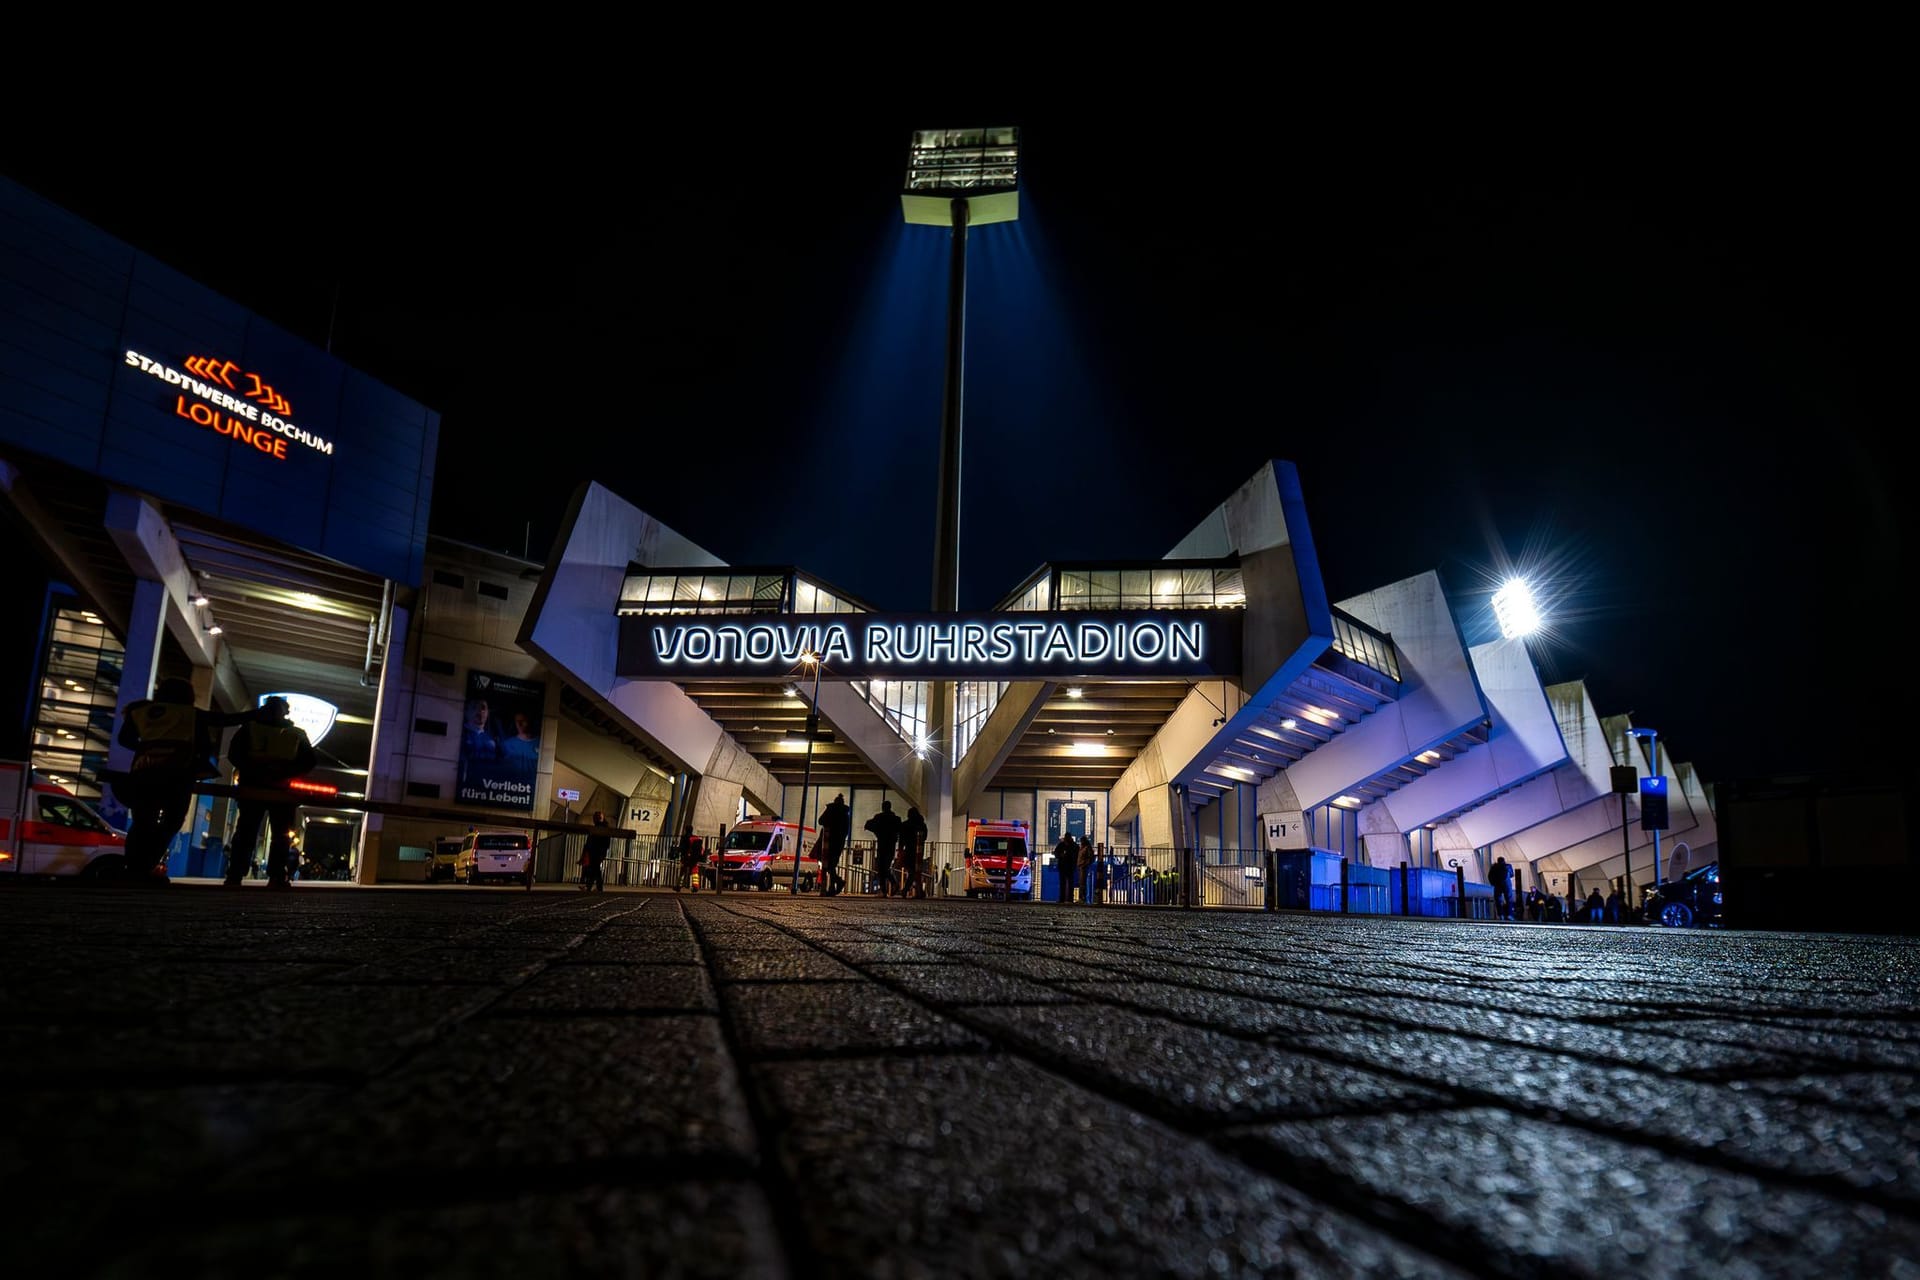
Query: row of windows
pixel 1152 588
pixel 74 708
pixel 1365 645
pixel 725 593
pixel 904 705
pixel 448 578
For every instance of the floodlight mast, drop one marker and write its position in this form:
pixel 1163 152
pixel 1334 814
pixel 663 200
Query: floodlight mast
pixel 956 178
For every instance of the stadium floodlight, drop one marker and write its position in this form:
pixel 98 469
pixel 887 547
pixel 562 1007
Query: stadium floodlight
pixel 1514 609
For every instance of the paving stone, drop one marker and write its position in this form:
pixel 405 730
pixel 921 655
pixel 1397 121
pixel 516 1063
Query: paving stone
pixel 869 951
pixel 946 984
pixel 1890 1096
pixel 610 988
pixel 1519 1197
pixel 299 1031
pixel 1217 1008
pixel 1861 1046
pixel 687 1230
pixel 514 1094
pixel 986 1166
pixel 1762 1131
pixel 637 946
pixel 835 1017
pixel 140 991
pixel 1198 1073
pixel 792 963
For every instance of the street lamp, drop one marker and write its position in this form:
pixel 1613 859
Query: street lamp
pixel 806 776
pixel 1652 739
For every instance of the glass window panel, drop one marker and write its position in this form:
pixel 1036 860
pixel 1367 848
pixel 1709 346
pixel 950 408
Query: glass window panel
pixel 804 597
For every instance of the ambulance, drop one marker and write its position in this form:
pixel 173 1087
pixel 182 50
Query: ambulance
pixel 46 830
pixel 758 854
pixel 994 845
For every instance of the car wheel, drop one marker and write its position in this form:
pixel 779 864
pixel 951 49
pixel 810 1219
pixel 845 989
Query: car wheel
pixel 1676 915
pixel 766 881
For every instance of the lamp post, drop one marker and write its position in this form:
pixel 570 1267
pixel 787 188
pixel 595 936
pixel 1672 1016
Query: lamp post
pixel 806 775
pixel 1652 739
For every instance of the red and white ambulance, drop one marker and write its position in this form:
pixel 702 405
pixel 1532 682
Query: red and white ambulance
pixel 995 847
pixel 46 830
pixel 759 853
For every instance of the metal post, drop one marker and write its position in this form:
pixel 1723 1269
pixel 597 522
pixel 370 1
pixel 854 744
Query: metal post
pixel 806 779
pixel 1656 831
pixel 1344 891
pixel 1626 854
pixel 1404 891
pixel 946 537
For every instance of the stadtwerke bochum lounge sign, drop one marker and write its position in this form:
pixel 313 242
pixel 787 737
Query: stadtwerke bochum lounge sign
pixel 923 646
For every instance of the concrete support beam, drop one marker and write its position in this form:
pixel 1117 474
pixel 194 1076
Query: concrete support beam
pixel 56 549
pixel 146 540
pixel 997 738
pixel 858 725
pixel 1185 742
pixel 392 731
pixel 571 626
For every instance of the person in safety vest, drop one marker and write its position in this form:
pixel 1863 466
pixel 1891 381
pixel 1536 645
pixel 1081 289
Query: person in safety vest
pixel 268 751
pixel 173 747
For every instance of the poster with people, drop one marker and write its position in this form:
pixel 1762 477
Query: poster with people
pixel 500 740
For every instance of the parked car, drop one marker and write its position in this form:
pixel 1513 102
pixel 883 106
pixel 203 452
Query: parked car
pixel 441 862
pixel 46 830
pixel 495 855
pixel 1691 901
pixel 759 855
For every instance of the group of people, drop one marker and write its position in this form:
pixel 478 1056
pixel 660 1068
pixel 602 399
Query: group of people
pixel 896 840
pixel 1541 907
pixel 1081 864
pixel 176 745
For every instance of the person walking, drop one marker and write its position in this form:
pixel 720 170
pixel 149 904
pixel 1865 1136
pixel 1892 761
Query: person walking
pixel 1100 873
pixel 1083 871
pixel 1066 860
pixel 593 853
pixel 1501 874
pixel 267 753
pixel 173 747
pixel 1596 908
pixel 835 821
pixel 689 862
pixel 913 853
pixel 885 826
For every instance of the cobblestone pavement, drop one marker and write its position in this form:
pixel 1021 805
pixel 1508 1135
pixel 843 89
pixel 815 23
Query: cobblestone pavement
pixel 494 1082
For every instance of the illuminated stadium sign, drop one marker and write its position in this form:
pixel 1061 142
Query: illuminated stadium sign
pixel 247 411
pixel 999 646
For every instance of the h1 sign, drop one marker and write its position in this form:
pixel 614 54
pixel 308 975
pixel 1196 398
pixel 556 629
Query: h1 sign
pixel 569 797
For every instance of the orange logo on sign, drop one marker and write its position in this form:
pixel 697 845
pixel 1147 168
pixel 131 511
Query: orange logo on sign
pixel 222 371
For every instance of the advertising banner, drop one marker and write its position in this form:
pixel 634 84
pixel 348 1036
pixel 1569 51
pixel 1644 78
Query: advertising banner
pixel 1145 643
pixel 500 741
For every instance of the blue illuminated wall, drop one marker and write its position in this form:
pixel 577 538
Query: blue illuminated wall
pixel 74 300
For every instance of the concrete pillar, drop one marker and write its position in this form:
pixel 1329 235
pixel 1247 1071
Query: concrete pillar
pixel 715 803
pixel 392 734
pixel 146 623
pixel 1156 823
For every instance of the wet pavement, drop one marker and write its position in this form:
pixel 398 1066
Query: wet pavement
pixel 494 1082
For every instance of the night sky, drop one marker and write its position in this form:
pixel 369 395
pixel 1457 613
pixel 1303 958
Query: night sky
pixel 1633 354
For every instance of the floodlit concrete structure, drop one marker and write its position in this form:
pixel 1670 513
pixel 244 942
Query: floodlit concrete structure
pixel 1199 712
